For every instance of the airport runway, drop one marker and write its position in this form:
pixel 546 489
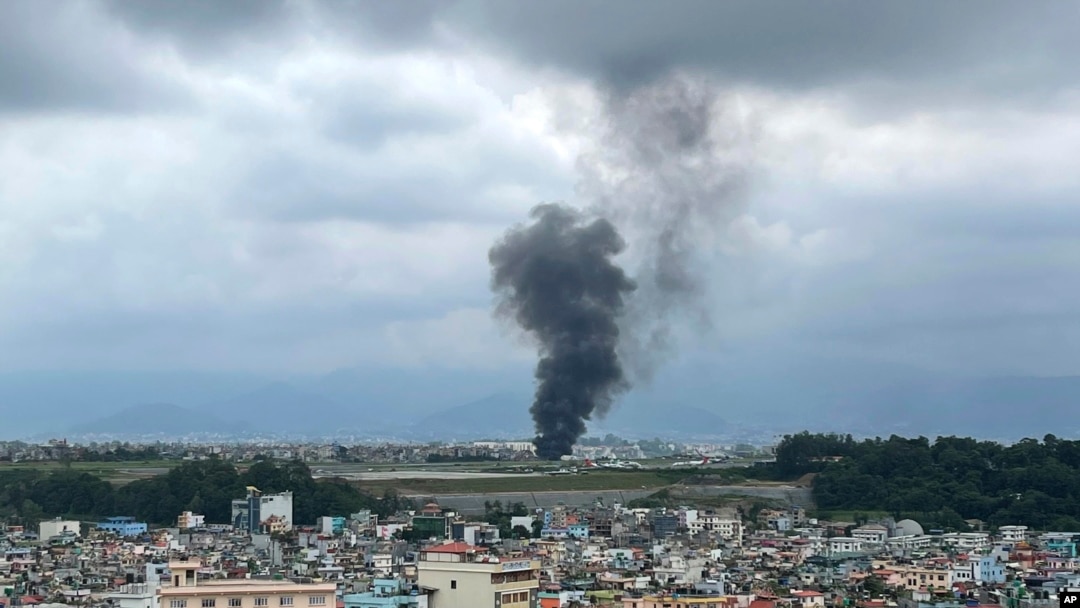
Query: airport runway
pixel 382 475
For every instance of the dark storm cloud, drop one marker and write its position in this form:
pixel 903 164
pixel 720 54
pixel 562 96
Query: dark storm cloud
pixel 990 48
pixel 998 45
pixel 64 57
pixel 203 26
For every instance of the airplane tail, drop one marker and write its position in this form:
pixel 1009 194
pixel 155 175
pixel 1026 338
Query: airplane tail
pixel 704 460
pixel 588 463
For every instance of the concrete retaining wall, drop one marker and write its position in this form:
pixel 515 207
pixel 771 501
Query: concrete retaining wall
pixel 473 504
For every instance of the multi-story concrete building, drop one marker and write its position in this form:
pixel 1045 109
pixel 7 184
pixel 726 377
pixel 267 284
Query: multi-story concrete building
pixel 188 520
pixel 464 576
pixel 678 601
pixel 1013 534
pixel 909 542
pixel 57 527
pixel 725 524
pixel 921 577
pixel 665 524
pixel 967 540
pixel 871 533
pixel 254 513
pixel 389 593
pixel 843 544
pixel 186 591
pixel 123 526
pixel 557 517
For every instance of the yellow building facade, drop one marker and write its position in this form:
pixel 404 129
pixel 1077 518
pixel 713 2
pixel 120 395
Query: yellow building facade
pixel 185 591
pixel 466 578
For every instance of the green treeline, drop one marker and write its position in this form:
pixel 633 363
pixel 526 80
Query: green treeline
pixel 206 487
pixel 944 482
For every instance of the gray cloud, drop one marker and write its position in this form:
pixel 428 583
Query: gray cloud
pixel 311 191
pixel 204 28
pixel 994 46
pixel 66 57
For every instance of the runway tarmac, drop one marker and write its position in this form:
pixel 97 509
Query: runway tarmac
pixel 413 474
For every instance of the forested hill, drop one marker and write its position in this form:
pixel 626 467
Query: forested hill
pixel 943 482
pixel 206 487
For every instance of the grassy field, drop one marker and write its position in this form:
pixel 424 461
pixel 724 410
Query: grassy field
pixel 90 466
pixel 599 480
pixel 113 472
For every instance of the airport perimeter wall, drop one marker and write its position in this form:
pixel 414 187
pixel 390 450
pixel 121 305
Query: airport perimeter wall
pixel 473 504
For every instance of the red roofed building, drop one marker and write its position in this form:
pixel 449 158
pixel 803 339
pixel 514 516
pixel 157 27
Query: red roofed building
pixel 808 598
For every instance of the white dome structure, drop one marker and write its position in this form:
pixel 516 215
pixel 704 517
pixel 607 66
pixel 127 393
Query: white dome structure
pixel 908 527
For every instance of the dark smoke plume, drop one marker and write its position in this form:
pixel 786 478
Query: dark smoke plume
pixel 669 168
pixel 555 277
pixel 666 169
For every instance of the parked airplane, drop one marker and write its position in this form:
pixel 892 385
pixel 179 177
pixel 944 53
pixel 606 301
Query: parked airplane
pixel 692 463
pixel 612 464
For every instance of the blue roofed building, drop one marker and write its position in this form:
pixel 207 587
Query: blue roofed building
pixel 123 526
pixel 389 593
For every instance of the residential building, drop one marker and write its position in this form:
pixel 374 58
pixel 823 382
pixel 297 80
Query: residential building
pixel 187 591
pixel 188 520
pixel 1013 534
pixel 909 542
pixel 871 533
pixel 665 525
pixel 844 544
pixel 332 525
pixel 556 518
pixel 431 526
pixel 141 595
pixel 678 601
pixel 726 524
pixel 251 513
pixel 921 577
pixel 464 576
pixel 389 593
pixel 968 541
pixel 58 527
pixel 808 599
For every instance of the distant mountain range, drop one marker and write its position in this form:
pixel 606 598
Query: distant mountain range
pixel 686 401
pixel 157 418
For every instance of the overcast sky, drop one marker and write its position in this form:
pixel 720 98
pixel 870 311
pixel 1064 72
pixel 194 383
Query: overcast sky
pixel 296 186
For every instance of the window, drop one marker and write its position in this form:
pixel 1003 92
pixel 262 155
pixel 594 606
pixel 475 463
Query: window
pixel 262 601
pixel 177 603
pixel 316 600
pixel 285 601
pixel 453 584
pixel 209 603
pixel 235 602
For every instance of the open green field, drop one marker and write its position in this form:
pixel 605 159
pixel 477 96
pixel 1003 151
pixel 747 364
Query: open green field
pixel 47 465
pixel 113 472
pixel 594 480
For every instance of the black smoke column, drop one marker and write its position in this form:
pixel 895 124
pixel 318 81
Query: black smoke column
pixel 556 278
